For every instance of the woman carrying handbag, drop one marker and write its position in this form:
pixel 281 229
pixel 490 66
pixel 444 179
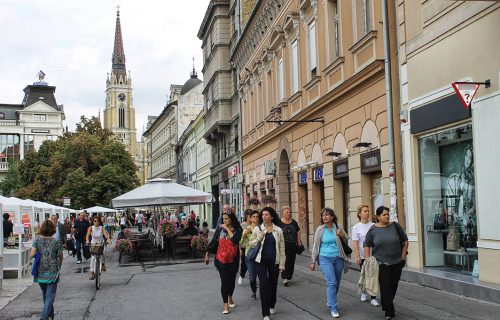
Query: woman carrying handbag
pixel 227 238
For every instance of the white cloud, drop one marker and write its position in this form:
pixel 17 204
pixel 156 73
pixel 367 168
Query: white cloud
pixel 72 42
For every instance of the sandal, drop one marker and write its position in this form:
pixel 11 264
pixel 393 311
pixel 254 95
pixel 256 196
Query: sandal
pixel 103 268
pixel 91 276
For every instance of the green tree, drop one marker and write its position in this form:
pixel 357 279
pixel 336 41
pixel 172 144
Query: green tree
pixel 12 180
pixel 89 166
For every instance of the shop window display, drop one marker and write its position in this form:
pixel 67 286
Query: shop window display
pixel 448 196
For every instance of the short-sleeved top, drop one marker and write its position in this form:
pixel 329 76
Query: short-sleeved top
pixel 386 243
pixel 81 229
pixel 328 247
pixel 289 230
pixel 359 231
pixel 49 265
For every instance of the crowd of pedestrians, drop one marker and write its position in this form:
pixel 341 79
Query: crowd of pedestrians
pixel 265 245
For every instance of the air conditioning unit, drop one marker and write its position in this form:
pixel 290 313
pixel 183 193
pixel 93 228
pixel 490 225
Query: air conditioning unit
pixel 269 167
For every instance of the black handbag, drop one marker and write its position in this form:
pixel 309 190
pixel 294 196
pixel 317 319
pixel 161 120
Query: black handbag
pixel 86 251
pixel 254 251
pixel 345 246
pixel 300 248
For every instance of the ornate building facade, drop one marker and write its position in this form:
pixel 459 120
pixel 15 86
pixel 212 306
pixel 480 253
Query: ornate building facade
pixel 313 108
pixel 119 111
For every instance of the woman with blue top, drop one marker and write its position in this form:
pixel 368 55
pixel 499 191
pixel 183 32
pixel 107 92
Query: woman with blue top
pixel 49 265
pixel 270 260
pixel 327 251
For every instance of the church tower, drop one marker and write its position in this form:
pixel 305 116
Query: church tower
pixel 119 113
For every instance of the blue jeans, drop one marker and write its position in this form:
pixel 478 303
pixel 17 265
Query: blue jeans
pixel 332 268
pixel 252 275
pixel 49 295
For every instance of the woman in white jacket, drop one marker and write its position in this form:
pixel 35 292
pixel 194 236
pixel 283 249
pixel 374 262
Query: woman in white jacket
pixel 270 260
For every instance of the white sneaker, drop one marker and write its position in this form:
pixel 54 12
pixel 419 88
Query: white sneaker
pixel 374 303
pixel 240 280
pixel 79 261
pixel 273 311
pixel 267 318
pixel 364 297
pixel 335 314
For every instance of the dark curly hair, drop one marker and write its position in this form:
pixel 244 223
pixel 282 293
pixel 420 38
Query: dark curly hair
pixel 272 212
pixel 330 212
pixel 234 221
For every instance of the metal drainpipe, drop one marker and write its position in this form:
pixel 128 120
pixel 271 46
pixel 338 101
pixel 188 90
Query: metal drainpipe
pixel 390 122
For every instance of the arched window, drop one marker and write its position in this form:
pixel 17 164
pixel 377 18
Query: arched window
pixel 121 117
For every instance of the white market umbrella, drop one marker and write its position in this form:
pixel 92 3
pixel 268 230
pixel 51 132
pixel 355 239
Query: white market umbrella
pixel 97 209
pixel 161 192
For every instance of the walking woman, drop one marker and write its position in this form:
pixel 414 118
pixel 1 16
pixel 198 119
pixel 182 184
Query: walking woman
pixel 388 243
pixel 252 222
pixel 243 268
pixel 227 257
pixel 270 260
pixel 49 265
pixel 359 231
pixel 291 232
pixel 98 234
pixel 327 251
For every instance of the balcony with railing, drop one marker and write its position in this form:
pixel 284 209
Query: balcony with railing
pixel 4 166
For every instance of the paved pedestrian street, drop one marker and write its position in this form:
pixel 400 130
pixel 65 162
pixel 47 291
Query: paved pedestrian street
pixel 191 290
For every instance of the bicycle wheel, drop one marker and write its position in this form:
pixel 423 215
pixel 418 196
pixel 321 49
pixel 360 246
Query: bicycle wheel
pixel 97 272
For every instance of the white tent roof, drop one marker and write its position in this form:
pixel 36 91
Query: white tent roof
pixel 161 192
pixel 98 209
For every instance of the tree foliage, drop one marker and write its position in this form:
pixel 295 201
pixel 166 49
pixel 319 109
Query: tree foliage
pixel 12 180
pixel 88 166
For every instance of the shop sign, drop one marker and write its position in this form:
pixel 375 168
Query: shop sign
pixel 341 169
pixel 318 174
pixel 40 131
pixel 302 177
pixel 233 170
pixel 229 191
pixel 370 161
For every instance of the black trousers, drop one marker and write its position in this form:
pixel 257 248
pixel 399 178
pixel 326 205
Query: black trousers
pixel 290 254
pixel 268 273
pixel 243 267
pixel 388 278
pixel 227 279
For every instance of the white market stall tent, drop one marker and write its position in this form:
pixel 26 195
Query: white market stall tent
pixel 157 192
pixel 17 259
pixel 97 209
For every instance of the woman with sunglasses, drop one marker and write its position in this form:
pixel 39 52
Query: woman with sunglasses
pixel 98 234
pixel 245 239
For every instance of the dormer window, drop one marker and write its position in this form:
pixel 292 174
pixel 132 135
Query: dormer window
pixel 40 117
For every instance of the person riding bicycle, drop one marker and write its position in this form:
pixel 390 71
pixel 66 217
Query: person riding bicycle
pixel 98 234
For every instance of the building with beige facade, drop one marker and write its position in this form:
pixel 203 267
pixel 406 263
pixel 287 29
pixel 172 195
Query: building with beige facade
pixel 220 31
pixel 184 105
pixel 313 108
pixel 451 180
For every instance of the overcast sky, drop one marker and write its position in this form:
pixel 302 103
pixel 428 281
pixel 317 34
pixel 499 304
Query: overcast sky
pixel 72 42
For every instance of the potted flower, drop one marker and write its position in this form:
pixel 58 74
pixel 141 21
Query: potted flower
pixel 199 244
pixel 122 246
pixel 253 201
pixel 269 198
pixel 166 228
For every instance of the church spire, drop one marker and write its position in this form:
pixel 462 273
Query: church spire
pixel 118 59
pixel 194 74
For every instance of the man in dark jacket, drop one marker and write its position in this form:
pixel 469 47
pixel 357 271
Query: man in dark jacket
pixel 7 228
pixel 79 233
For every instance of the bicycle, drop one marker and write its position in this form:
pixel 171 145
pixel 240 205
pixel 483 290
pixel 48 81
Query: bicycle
pixel 97 250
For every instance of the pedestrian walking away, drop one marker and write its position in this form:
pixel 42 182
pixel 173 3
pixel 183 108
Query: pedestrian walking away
pixel 79 232
pixel 270 260
pixel 328 252
pixel 253 222
pixel 388 243
pixel 227 238
pixel 359 231
pixel 291 233
pixel 243 243
pixel 48 267
pixel 98 234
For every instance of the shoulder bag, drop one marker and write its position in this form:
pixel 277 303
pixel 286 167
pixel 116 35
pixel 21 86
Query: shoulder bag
pixel 254 251
pixel 36 264
pixel 226 251
pixel 345 246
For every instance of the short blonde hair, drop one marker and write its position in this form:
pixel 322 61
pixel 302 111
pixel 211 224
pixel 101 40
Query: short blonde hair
pixel 360 207
pixel 285 208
